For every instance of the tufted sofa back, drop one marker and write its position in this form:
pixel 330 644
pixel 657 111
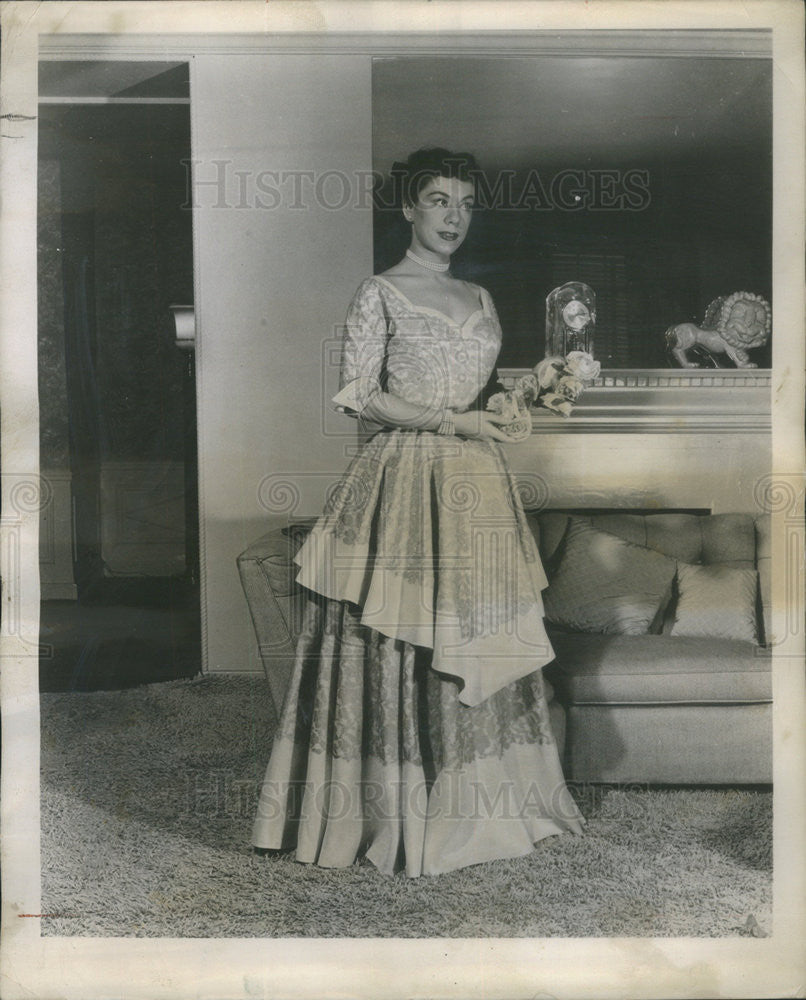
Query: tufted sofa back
pixel 740 540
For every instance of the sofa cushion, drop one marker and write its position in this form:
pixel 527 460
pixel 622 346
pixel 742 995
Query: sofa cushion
pixel 630 527
pixel 551 527
pixel 658 669
pixel 606 584
pixel 691 538
pixel 675 535
pixel 728 538
pixel 716 601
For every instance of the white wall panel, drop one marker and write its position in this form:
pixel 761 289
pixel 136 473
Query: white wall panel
pixel 273 283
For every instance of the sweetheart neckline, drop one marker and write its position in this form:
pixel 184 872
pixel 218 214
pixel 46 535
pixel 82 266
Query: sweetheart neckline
pixel 431 309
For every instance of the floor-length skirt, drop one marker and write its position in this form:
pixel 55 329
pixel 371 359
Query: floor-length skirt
pixel 415 730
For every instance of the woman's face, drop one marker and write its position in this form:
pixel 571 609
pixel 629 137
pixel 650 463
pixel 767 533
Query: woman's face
pixel 441 217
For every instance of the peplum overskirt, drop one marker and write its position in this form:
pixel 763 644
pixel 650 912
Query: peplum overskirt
pixel 426 535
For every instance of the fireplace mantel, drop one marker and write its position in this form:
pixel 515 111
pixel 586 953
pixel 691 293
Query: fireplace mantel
pixel 663 401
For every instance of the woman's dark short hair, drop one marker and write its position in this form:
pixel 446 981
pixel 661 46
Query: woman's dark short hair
pixel 434 161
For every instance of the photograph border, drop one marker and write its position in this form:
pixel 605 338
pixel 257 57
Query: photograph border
pixel 36 966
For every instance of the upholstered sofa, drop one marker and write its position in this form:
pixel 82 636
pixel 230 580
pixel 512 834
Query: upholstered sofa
pixel 665 707
pixel 656 707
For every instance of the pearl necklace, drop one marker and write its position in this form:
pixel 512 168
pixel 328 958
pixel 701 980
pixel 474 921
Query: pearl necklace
pixel 432 265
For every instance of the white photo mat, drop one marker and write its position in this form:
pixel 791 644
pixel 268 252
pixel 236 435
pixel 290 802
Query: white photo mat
pixel 36 966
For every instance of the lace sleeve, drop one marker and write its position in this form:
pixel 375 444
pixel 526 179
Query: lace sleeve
pixel 363 350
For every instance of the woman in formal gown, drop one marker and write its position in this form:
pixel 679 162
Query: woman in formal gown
pixel 415 730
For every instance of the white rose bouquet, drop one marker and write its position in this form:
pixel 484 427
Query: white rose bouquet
pixel 554 383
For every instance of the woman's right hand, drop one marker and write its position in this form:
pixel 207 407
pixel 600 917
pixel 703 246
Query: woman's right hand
pixel 480 424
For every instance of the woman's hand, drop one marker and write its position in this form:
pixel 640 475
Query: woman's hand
pixel 481 424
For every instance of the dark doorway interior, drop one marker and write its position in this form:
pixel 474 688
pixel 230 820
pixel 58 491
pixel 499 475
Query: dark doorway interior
pixel 120 580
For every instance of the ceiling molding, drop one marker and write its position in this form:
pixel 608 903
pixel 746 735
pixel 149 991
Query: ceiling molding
pixel 712 43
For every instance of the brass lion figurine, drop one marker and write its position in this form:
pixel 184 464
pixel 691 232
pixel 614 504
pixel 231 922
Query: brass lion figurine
pixel 733 325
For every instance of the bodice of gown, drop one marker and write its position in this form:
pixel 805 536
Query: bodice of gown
pixel 415 352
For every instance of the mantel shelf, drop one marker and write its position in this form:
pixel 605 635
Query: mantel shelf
pixel 663 401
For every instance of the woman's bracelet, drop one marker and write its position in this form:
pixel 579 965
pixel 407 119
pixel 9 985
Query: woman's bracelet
pixel 447 426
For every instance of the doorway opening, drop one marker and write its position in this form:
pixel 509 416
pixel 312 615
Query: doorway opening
pixel 119 550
